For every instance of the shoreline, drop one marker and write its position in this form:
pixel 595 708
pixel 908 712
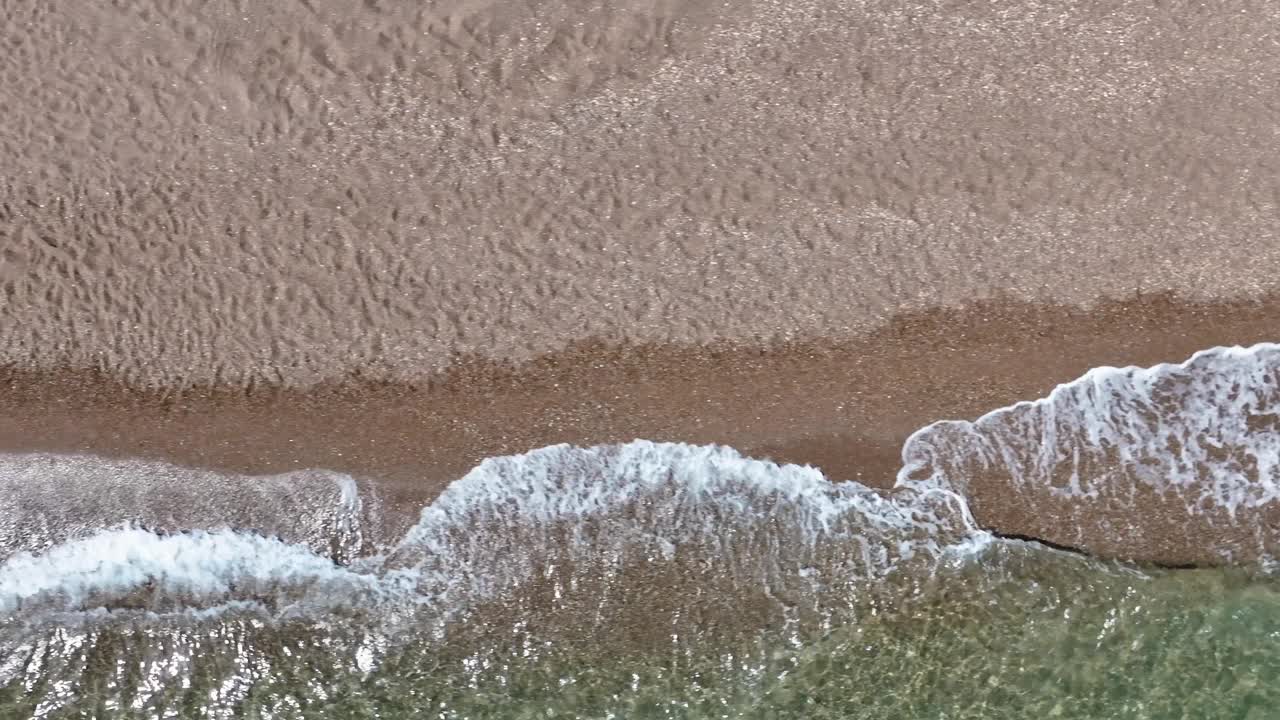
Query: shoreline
pixel 845 408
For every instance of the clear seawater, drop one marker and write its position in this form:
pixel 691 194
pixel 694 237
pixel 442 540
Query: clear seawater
pixel 1019 633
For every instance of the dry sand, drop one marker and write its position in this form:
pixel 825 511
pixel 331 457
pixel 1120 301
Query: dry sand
pixel 756 223
pixel 285 192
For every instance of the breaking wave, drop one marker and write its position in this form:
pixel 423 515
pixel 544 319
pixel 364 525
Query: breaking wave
pixel 1175 462
pixel 508 521
pixel 1119 458
pixel 199 569
pixel 48 499
pixel 620 546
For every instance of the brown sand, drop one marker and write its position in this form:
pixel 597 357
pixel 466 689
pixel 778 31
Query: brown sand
pixel 286 192
pixel 846 409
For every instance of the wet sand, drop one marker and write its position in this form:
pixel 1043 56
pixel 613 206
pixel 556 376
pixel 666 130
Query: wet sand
pixel 396 237
pixel 844 408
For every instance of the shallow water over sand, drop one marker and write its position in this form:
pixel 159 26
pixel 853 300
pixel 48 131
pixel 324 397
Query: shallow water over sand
pixel 672 580
pixel 1014 633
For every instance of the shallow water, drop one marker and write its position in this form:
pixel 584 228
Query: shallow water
pixel 1016 632
pixel 668 580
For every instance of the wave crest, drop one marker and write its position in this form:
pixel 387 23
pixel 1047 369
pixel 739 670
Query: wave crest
pixel 138 569
pixel 513 517
pixel 518 520
pixel 1175 462
pixel 47 499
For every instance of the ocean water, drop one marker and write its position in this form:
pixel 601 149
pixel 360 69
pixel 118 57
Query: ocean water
pixel 661 580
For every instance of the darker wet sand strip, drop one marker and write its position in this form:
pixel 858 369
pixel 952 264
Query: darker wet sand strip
pixel 846 408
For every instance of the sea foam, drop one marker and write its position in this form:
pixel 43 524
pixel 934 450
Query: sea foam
pixel 47 499
pixel 197 569
pixel 513 520
pixel 1202 436
pixel 512 517
pixel 1199 440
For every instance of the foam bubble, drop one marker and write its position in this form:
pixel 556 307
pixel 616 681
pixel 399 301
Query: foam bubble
pixel 1210 424
pixel 1202 436
pixel 196 569
pixel 46 499
pixel 512 517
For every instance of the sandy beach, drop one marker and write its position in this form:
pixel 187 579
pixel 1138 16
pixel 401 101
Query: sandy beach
pixel 204 193
pixel 396 239
pixel 473 358
pixel 844 408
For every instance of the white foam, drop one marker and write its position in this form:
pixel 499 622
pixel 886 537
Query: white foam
pixel 1207 429
pixel 46 499
pixel 512 517
pixel 198 569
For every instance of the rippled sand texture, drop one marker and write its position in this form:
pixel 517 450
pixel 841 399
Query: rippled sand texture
pixel 290 191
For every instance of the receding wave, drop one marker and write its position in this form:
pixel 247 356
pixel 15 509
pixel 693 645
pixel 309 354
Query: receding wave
pixel 198 569
pixel 514 519
pixel 1174 453
pixel 564 556
pixel 47 499
pixel 1176 462
pixel 560 548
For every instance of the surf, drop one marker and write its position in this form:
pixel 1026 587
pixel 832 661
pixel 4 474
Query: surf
pixel 642 549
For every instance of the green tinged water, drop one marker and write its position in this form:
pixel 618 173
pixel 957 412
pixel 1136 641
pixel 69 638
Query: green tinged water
pixel 1016 633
